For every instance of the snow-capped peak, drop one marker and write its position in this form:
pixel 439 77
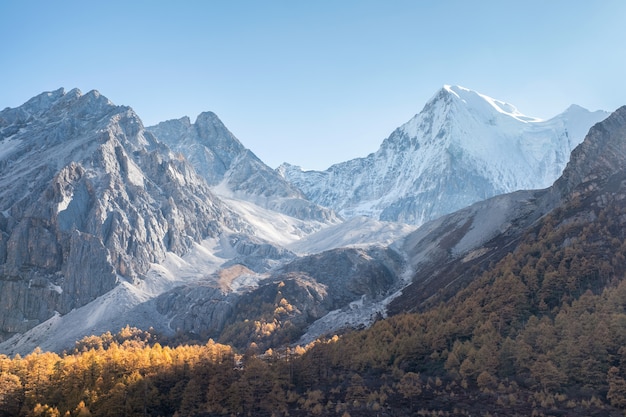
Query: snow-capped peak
pixel 461 148
pixel 477 101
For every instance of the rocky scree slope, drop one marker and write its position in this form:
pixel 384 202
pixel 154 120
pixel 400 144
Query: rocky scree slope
pixel 279 309
pixel 102 225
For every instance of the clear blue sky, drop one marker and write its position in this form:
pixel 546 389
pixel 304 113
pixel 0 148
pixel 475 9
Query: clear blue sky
pixel 314 82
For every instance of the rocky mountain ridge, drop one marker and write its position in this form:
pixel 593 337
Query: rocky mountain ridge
pixel 99 217
pixel 448 253
pixel 89 198
pixel 233 170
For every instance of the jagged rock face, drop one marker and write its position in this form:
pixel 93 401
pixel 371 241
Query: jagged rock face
pixel 602 154
pixel 348 273
pixel 208 145
pixel 256 254
pixel 462 148
pixel 198 309
pixel 88 197
pixel 311 287
pixel 221 159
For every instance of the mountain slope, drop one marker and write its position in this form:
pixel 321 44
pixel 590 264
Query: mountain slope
pixel 89 199
pixel 538 329
pixel 540 316
pixel 463 147
pixel 448 253
pixel 444 256
pixel 232 169
pixel 100 222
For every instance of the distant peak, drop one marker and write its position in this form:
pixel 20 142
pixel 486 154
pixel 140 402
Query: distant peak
pixel 208 117
pixel 95 96
pixel 74 92
pixel 45 100
pixel 575 109
pixel 56 93
pixel 477 100
pixel 209 125
pixel 49 95
pixel 93 93
pixel 457 90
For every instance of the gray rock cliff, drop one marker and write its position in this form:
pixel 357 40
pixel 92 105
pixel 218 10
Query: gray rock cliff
pixel 288 300
pixel 88 198
pixel 222 160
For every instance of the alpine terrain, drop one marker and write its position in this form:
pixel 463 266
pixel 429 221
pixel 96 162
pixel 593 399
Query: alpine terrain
pixel 89 201
pixel 463 147
pixel 102 225
pixel 180 228
pixel 234 171
pixel 514 305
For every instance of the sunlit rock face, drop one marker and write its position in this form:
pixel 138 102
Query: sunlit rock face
pixel 291 298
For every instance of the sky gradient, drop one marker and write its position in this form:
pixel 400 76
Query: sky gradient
pixel 314 83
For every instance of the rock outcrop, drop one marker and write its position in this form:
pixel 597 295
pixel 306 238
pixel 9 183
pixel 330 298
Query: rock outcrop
pixel 286 302
pixel 88 198
pixel 601 155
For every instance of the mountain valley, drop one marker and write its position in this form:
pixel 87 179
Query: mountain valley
pixel 120 199
pixel 474 263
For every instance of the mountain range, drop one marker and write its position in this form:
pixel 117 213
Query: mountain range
pixel 180 228
pixel 463 147
pixel 233 170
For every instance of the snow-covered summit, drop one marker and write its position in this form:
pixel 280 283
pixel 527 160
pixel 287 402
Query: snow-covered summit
pixel 101 224
pixel 461 148
pixel 477 101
